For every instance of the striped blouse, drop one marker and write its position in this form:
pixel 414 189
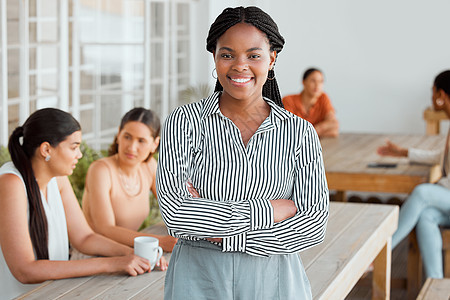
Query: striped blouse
pixel 282 160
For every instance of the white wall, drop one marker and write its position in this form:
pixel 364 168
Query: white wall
pixel 379 57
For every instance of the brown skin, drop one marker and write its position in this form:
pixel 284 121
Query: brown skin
pixel 243 59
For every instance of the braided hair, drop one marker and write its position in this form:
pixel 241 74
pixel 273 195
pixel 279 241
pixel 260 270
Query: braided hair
pixel 45 125
pixel 262 21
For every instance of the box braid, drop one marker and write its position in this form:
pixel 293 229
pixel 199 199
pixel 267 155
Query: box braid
pixel 261 20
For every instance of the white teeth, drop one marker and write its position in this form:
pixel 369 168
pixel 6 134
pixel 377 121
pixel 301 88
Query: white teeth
pixel 240 80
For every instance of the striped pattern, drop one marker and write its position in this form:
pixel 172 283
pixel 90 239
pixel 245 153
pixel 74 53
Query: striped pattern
pixel 283 160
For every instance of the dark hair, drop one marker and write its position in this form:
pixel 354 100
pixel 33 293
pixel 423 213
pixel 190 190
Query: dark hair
pixel 138 114
pixel 442 82
pixel 262 21
pixel 45 125
pixel 310 71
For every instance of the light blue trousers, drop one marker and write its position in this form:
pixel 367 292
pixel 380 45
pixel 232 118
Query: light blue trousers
pixel 199 270
pixel 427 208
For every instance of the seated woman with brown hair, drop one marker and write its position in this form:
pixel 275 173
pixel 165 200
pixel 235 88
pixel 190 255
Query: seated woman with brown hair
pixel 313 105
pixel 116 195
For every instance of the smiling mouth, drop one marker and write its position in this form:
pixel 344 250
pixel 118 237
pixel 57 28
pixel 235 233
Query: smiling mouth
pixel 240 80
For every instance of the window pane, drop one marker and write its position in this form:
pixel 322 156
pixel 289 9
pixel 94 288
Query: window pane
pixel 183 18
pixel 157 20
pixel 13 73
pixel 110 112
pixel 13 118
pixel 156 97
pixel 86 80
pixel 86 121
pixel 47 8
pixel 156 60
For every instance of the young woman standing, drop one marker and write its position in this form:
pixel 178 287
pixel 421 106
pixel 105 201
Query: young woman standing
pixel 240 180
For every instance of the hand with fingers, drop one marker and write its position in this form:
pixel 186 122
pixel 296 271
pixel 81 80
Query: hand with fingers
pixel 131 264
pixel 391 149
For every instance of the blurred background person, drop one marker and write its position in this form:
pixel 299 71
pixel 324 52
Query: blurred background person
pixel 428 206
pixel 313 104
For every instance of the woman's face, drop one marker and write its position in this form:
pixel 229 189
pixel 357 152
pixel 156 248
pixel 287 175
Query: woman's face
pixel 65 156
pixel 135 142
pixel 243 59
pixel 313 84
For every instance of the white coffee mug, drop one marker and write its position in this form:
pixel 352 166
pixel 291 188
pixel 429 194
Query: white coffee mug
pixel 148 247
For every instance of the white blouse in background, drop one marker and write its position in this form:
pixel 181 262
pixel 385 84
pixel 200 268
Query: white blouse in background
pixel 58 241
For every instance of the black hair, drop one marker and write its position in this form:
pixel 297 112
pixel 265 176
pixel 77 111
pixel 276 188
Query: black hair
pixel 310 71
pixel 138 114
pixel 45 125
pixel 262 21
pixel 442 82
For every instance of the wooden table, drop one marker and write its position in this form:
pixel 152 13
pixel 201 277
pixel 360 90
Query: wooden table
pixel 357 234
pixel 146 286
pixel 435 289
pixel 347 156
pixel 346 159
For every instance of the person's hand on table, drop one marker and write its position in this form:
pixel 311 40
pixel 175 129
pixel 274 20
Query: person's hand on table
pixel 391 149
pixel 131 264
pixel 162 264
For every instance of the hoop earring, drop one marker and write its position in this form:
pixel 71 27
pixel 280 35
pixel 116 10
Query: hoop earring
pixel 271 72
pixel 212 73
pixel 47 158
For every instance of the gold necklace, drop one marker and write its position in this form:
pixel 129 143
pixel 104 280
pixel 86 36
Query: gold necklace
pixel 131 186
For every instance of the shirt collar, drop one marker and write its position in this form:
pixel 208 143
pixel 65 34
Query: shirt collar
pixel 211 106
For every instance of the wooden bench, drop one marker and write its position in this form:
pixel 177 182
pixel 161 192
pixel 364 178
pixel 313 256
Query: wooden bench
pixel 435 289
pixel 433 119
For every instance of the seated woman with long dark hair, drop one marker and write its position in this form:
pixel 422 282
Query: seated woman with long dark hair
pixel 40 214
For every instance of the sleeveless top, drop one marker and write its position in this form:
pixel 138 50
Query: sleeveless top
pixel 119 194
pixel 58 240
